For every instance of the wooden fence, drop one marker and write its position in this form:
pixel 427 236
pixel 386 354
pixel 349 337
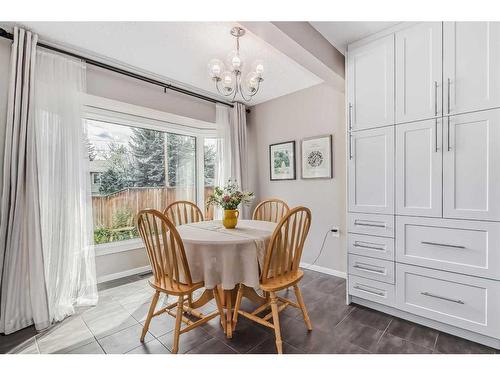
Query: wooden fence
pixel 105 207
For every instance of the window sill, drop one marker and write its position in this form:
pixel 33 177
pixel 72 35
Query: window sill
pixel 118 247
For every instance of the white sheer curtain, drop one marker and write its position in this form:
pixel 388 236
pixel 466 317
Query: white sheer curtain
pixel 231 159
pixel 223 149
pixel 64 184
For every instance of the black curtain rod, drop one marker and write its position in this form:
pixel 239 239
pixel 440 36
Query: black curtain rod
pixel 166 86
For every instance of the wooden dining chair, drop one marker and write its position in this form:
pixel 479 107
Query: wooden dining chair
pixel 171 274
pixel 280 271
pixel 183 212
pixel 270 210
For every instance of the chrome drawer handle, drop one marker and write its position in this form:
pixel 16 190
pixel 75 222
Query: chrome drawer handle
pixel 443 298
pixel 381 294
pixel 368 269
pixel 442 244
pixel 356 244
pixel 370 225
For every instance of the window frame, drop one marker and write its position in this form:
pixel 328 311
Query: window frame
pixel 108 110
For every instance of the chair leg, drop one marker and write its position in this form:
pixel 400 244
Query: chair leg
pixel 276 322
pixel 178 320
pixel 151 311
pixel 302 305
pixel 219 308
pixel 239 296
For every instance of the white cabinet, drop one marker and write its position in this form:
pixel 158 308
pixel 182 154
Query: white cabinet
pixel 419 72
pixel 463 246
pixel 471 166
pixel 371 171
pixel 419 168
pixel 471 66
pixel 371 84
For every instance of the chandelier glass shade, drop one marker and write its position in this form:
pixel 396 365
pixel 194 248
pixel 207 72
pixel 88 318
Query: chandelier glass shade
pixel 228 76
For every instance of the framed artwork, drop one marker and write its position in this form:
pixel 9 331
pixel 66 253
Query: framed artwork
pixel 317 157
pixel 282 161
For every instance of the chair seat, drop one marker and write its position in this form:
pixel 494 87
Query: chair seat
pixel 174 288
pixel 281 282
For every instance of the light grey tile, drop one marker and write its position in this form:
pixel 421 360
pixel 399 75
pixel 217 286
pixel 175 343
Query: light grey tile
pixel 92 348
pixel 124 340
pixel 65 336
pixel 151 347
pixel 109 321
pixel 27 347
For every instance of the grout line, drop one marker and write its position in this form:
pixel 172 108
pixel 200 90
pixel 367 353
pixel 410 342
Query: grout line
pixel 345 317
pixel 385 330
pixel 435 342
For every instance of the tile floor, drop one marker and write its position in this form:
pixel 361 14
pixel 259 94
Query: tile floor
pixel 115 324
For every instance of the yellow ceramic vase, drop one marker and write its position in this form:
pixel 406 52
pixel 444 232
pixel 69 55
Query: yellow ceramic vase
pixel 230 218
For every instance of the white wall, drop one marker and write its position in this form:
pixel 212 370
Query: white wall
pixel 318 110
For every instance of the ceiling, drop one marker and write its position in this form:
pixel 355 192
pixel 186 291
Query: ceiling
pixel 340 34
pixel 179 51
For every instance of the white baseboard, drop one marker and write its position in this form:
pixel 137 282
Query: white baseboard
pixel 119 275
pixel 328 271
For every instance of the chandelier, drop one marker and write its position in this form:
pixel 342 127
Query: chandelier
pixel 230 82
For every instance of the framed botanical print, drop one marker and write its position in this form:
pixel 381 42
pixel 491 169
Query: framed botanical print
pixel 317 157
pixel 282 161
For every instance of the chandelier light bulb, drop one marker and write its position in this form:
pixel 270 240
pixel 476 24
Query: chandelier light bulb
pixel 252 81
pixel 215 68
pixel 258 68
pixel 227 81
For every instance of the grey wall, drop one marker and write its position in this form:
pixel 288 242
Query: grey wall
pixel 4 82
pixel 115 86
pixel 318 110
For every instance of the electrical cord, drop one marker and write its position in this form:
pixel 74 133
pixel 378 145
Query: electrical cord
pixel 321 249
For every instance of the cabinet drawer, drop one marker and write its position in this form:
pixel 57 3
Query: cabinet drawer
pixel 372 290
pixel 371 246
pixel 372 224
pixel 470 247
pixel 371 268
pixel 464 301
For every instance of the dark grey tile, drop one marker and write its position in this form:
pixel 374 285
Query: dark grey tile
pixel 187 341
pixel 212 346
pixel 448 344
pixel 246 336
pixel 325 284
pixel 336 344
pixel 353 331
pixel 268 346
pixel 390 344
pixel 92 348
pixel 9 342
pixel 295 333
pixel 413 332
pixel 124 341
pixel 371 318
pixel 326 313
pixel 150 347
pixel 309 276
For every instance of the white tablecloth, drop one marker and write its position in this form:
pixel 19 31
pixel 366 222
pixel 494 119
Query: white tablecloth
pixel 227 257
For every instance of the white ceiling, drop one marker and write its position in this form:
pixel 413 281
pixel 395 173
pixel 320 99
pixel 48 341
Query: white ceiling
pixel 178 50
pixel 340 34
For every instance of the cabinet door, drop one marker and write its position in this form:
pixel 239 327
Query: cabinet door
pixel 419 168
pixel 471 166
pixel 371 171
pixel 371 84
pixel 471 76
pixel 419 72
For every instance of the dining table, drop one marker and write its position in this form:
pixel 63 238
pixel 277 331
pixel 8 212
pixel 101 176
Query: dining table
pixel 225 258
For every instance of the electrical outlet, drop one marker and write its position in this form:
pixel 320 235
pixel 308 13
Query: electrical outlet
pixel 335 231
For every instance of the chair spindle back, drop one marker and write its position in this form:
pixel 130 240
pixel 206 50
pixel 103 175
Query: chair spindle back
pixel 270 210
pixel 183 212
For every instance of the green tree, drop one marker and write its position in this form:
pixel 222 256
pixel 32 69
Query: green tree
pixel 148 157
pixel 181 151
pixel 209 162
pixel 117 175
